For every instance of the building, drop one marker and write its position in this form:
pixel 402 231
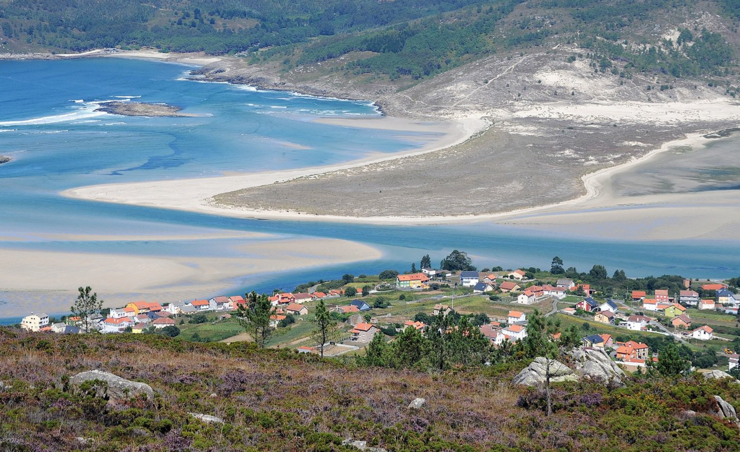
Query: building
pixel 734 358
pixel 662 296
pixel 517 274
pixel 364 332
pixel 482 287
pixel 222 303
pixel 163 322
pixel 62 328
pixel 688 297
pixel 509 286
pixel 419 326
pixel 413 281
pixel 441 309
pixel 557 292
pixel 469 279
pixel 567 284
pixel 492 332
pixel 609 305
pixel 35 322
pixel 724 296
pixel 605 317
pixel 594 341
pixel 302 297
pixel 144 307
pixel 638 295
pixel 650 304
pixel 683 321
pixel 526 297
pixel 515 317
pixel 637 322
pixel 515 332
pixel 715 286
pixel 588 304
pixel 111 325
pixel 632 349
pixel 674 310
pixel 203 305
pixel 361 305
pixel 296 309
pixel 703 333
pixel 707 305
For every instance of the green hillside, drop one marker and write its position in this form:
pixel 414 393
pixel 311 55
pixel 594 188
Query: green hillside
pixel 392 39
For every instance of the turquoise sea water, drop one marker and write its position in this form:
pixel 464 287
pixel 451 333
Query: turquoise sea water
pixel 57 141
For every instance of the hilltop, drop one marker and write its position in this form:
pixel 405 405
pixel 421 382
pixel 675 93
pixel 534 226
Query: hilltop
pixel 278 400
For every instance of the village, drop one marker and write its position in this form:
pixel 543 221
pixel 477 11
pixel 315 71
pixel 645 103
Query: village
pixel 702 315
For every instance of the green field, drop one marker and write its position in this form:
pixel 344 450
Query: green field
pixel 211 331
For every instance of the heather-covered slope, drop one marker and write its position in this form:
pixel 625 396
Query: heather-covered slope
pixel 277 400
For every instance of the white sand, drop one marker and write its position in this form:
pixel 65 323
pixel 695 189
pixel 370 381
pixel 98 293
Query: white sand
pixel 117 278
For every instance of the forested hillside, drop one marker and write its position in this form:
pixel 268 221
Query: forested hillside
pixel 410 39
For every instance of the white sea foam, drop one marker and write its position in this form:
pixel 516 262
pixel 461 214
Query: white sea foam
pixel 7 130
pixel 86 112
pixel 127 97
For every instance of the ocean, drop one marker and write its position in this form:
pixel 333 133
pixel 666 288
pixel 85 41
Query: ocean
pixel 57 141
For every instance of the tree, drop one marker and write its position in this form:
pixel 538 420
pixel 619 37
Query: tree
pixel 671 363
pixel 377 352
pixel 619 275
pixel 413 267
pixel 347 278
pixel 87 304
pixel 366 290
pixel 170 331
pixel 426 262
pixel 325 329
pixel 556 268
pixel 350 291
pixel 409 348
pixel 388 274
pixel 457 260
pixel 255 317
pixel 598 272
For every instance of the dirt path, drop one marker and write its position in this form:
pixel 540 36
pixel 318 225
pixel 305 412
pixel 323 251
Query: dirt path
pixel 241 337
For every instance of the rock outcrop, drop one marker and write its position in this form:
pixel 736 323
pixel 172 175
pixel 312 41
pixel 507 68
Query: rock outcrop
pixel 591 364
pixel 417 403
pixel 535 373
pixel 595 364
pixel 726 411
pixel 718 374
pixel 115 388
pixel 207 418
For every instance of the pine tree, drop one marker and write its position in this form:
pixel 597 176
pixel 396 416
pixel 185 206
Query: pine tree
pixel 87 304
pixel 255 317
pixel 325 326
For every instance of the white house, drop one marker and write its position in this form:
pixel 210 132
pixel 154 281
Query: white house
pixel 221 303
pixel 516 316
pixel 430 272
pixel 119 313
pixel 707 305
pixel 637 322
pixel 557 292
pixel 469 279
pixel 609 305
pixel 35 322
pixel 526 297
pixel 650 304
pixel 111 325
pixel 517 274
pixel 515 332
pixel 482 287
pixel 703 333
pixel 566 284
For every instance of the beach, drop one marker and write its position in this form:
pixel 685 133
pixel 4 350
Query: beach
pixel 47 281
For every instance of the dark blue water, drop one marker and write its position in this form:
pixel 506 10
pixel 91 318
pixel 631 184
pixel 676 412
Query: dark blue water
pixel 57 141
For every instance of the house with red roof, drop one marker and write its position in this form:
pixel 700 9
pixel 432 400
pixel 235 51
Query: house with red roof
pixel 509 286
pixel 662 296
pixel 202 305
pixel 351 309
pixel 515 317
pixel 111 325
pixel 707 305
pixel 143 307
pixel 419 326
pixel 275 319
pixel 515 332
pixel 296 309
pixel 703 333
pixel 318 295
pixel 638 295
pixel 364 332
pixel 526 297
pixel 715 286
pixel 632 349
pixel 163 322
pixel 650 304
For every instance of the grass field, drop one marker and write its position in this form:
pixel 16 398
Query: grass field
pixel 211 331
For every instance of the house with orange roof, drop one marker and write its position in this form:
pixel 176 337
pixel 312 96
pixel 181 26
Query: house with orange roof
pixel 334 293
pixel 202 305
pixel 703 333
pixel 632 349
pixel 363 332
pixel 351 309
pixel 517 275
pixel 490 278
pixel 318 295
pixel 275 320
pixel 304 349
pixel 515 332
pixel 682 321
pixel 144 307
pixel 608 340
pixel 707 305
pixel 650 304
pixel 638 295
pixel 296 309
pixel 674 310
pixel 412 281
pixel 515 317
pixel 419 326
pixel 509 286
pixel 715 286
pixel 526 297
pixel 111 325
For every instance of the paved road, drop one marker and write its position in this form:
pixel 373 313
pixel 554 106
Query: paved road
pixel 554 307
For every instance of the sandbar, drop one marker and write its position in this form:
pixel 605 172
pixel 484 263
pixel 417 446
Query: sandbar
pixel 46 281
